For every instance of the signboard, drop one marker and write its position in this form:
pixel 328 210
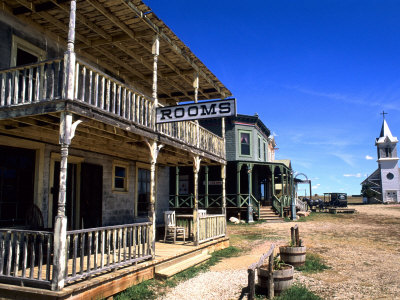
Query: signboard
pixel 196 111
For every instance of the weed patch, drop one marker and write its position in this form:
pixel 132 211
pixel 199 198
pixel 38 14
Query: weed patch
pixel 313 264
pixel 297 292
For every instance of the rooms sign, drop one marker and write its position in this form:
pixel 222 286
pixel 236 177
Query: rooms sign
pixel 195 111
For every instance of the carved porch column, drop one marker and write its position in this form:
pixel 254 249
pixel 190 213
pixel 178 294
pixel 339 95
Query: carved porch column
pixel 155 49
pixel 223 177
pixel 67 132
pixel 154 151
pixel 249 204
pixel 176 187
pixel 196 168
pixel 238 168
pixel 206 186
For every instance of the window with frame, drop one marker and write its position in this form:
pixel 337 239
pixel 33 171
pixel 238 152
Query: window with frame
pixel 265 151
pixel 23 52
pixel 259 147
pixel 244 143
pixel 120 177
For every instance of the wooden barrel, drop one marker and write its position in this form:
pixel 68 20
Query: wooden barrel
pixel 295 256
pixel 283 279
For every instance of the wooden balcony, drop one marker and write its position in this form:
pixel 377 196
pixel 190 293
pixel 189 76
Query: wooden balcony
pixel 43 83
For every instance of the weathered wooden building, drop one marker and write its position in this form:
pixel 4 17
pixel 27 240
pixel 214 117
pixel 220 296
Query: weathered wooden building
pixel 84 168
pixel 255 181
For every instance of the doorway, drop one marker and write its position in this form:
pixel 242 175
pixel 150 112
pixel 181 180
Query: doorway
pixel 17 176
pixel 143 196
pixel 91 204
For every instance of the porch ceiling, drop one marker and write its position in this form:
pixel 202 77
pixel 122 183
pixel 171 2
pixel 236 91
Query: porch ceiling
pixel 118 35
pixel 97 136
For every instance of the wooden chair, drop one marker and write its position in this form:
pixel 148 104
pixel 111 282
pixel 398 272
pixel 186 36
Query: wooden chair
pixel 170 226
pixel 202 213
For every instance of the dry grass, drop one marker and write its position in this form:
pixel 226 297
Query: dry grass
pixel 362 249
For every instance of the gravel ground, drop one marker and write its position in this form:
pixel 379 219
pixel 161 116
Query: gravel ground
pixel 363 251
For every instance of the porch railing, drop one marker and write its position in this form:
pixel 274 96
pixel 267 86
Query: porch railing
pixel 44 81
pixel 301 205
pixel 31 83
pixel 91 251
pixel 26 256
pixel 212 200
pixel 277 205
pixel 211 227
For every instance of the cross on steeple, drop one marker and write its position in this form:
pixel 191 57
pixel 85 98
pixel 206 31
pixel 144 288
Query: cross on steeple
pixel 383 114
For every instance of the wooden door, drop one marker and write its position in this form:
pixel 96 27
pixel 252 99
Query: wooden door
pixel 17 174
pixel 91 195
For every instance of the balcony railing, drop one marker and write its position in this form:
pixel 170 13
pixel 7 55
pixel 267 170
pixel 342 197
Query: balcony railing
pixel 44 81
pixel 26 256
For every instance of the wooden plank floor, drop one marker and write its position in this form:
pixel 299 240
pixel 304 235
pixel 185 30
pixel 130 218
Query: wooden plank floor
pixel 106 284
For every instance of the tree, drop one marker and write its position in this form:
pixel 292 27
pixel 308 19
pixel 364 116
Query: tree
pixel 367 191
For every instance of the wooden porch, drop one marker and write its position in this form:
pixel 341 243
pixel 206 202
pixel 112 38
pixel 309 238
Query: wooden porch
pixel 106 284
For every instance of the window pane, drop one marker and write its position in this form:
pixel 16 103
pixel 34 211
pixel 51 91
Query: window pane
pixel 119 171
pixel 119 183
pixel 245 143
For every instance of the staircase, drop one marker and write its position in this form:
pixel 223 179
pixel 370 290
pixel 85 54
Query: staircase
pixel 268 214
pixel 180 263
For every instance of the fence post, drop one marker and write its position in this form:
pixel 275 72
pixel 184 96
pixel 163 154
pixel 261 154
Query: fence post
pixel 252 286
pixel 271 276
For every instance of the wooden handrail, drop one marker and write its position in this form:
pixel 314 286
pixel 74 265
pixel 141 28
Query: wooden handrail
pixel 252 272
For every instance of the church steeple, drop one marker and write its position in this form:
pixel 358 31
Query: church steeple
pixel 385 135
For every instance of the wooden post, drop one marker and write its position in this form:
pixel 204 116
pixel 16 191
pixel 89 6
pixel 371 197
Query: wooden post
pixel 70 57
pixel 67 132
pixel 154 151
pixel 249 204
pixel 271 276
pixel 238 168
pixel 223 177
pixel 196 168
pixel 292 196
pixel 155 51
pixel 176 187
pixel 281 212
pixel 292 236
pixel 223 170
pixel 297 235
pixel 273 180
pixel 206 186
pixel 196 97
pixel 251 282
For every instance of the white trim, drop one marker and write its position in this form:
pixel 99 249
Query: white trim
pixel 19 43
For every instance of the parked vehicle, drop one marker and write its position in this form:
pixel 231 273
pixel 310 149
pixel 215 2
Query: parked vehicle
pixel 335 199
pixel 330 200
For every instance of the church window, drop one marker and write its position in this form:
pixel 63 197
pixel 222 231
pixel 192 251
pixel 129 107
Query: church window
pixel 388 152
pixel 390 176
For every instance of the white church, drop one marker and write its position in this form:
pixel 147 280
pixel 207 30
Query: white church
pixel 385 180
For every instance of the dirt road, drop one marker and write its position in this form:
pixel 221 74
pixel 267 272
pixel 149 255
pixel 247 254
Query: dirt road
pixel 363 251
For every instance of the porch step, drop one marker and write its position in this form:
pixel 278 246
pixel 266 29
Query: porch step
pixel 269 215
pixel 179 264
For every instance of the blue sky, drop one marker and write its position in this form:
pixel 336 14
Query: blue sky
pixel 318 73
